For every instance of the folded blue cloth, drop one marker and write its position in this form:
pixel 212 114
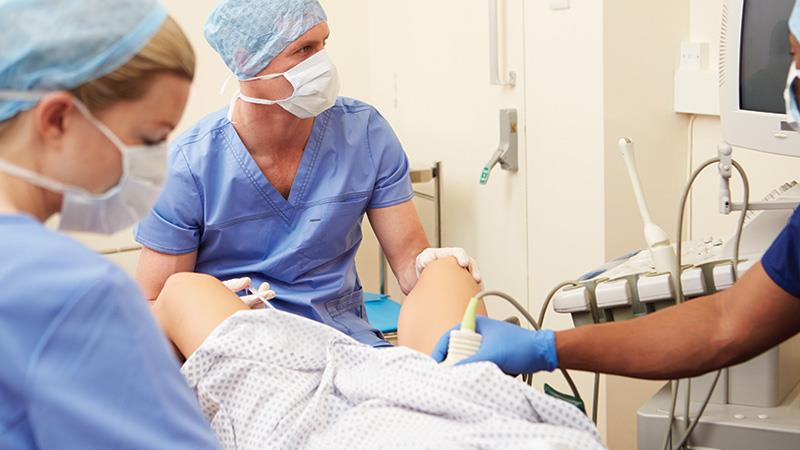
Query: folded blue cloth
pixel 382 312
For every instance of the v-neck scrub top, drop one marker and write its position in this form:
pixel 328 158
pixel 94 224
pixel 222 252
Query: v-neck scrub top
pixel 218 202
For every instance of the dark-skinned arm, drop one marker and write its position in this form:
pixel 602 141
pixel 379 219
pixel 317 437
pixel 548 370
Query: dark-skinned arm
pixel 693 338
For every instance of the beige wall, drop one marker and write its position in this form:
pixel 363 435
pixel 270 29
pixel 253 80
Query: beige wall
pixel 211 71
pixel 431 82
pixel 566 201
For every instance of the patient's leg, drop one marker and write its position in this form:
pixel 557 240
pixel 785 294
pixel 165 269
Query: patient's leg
pixel 435 304
pixel 190 306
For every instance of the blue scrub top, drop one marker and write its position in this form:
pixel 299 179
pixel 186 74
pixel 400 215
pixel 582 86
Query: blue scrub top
pixel 218 202
pixel 782 259
pixel 84 364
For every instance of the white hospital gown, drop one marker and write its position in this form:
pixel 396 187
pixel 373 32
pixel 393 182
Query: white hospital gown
pixel 268 379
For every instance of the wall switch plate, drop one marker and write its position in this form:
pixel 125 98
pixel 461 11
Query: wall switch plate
pixel 556 5
pixel 694 55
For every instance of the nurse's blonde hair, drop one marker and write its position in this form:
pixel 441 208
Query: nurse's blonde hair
pixel 168 51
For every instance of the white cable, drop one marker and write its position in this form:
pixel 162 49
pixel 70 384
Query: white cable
pixel 689 164
pixel 689 161
pixel 679 293
pixel 595 397
pixel 687 403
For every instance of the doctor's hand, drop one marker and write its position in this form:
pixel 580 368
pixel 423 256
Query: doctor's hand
pixel 515 350
pixel 430 255
pixel 255 300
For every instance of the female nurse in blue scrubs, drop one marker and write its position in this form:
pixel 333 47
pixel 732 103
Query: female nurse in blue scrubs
pixel 757 313
pixel 89 91
pixel 274 187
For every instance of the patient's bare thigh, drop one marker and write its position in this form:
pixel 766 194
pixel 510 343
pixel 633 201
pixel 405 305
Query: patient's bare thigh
pixel 190 306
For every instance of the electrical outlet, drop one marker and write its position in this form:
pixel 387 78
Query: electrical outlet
pixel 694 55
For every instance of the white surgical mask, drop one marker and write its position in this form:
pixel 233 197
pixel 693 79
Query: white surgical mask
pixel 789 97
pixel 315 82
pixel 144 172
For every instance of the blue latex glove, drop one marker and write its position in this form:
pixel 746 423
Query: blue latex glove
pixel 515 350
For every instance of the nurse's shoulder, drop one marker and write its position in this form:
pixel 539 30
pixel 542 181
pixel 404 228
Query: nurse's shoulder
pixel 76 335
pixel 48 268
pixel 46 276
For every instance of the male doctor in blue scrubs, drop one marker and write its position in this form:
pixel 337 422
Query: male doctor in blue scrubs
pixel 274 188
pixel 758 312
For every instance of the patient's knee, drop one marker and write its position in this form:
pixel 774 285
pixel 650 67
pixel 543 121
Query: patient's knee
pixel 172 293
pixel 183 280
pixel 449 269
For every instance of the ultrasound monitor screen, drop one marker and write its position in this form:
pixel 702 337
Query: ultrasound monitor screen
pixel 765 57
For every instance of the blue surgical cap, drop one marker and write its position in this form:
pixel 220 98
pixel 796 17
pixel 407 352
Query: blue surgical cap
pixel 794 21
pixel 49 45
pixel 248 34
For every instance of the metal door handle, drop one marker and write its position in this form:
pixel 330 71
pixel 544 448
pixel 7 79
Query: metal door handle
pixel 507 154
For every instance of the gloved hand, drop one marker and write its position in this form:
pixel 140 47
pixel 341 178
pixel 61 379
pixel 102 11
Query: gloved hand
pixel 430 255
pixel 255 300
pixel 515 350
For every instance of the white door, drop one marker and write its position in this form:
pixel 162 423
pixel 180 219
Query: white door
pixel 429 76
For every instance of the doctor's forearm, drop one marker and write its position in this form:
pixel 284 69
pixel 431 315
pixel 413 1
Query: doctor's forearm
pixel 406 275
pixel 403 259
pixel 154 268
pixel 695 337
pixel 400 234
pixel 678 342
